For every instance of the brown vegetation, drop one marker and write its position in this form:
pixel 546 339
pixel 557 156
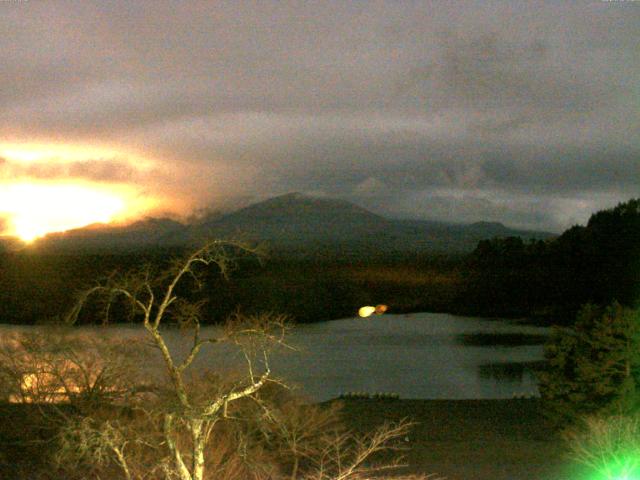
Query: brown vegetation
pixel 190 424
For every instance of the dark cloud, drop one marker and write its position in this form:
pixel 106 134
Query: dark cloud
pixel 489 72
pixel 103 171
pixel 109 171
pixel 342 162
pixel 566 171
pixel 473 110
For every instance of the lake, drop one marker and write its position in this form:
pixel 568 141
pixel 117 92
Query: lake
pixel 420 355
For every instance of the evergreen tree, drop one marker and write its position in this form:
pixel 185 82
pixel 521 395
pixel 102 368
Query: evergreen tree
pixel 594 367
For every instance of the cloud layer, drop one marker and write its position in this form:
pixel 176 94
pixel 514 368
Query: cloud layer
pixel 526 113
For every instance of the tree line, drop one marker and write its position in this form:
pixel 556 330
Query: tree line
pixel 598 263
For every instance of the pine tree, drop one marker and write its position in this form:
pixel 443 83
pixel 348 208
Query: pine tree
pixel 593 367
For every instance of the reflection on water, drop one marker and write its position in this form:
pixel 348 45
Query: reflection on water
pixel 500 339
pixel 513 372
pixel 417 356
pixel 422 355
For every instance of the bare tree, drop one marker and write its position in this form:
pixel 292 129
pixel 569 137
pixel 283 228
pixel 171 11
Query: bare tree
pixel 70 380
pixel 154 299
pixel 312 442
pixel 174 429
pixel 53 365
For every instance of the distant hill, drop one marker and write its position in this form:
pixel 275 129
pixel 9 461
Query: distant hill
pixel 149 232
pixel 292 221
pixel 450 237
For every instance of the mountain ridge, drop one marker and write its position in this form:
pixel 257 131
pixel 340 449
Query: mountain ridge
pixel 292 220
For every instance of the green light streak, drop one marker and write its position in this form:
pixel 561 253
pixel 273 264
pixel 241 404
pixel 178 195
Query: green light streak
pixel 621 468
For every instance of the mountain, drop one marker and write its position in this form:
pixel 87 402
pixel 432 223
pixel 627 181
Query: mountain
pixel 295 218
pixel 293 222
pixel 303 211
pixel 149 232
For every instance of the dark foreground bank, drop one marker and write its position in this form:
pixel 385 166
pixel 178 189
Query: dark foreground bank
pixel 473 439
pixel 455 439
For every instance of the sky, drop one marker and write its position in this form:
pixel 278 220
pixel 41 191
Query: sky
pixel 526 113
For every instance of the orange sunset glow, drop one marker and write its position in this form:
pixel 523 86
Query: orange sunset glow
pixel 42 192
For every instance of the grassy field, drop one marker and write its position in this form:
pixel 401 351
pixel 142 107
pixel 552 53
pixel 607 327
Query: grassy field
pixel 455 439
pixel 472 439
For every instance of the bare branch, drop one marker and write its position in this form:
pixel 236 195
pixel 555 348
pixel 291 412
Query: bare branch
pixel 193 353
pixel 180 415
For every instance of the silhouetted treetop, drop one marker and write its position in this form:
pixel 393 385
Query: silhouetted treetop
pixel 596 263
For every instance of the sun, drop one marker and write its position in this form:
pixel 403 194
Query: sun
pixel 37 209
pixel 34 202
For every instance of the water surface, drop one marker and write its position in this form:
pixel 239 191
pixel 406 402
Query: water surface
pixel 421 355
